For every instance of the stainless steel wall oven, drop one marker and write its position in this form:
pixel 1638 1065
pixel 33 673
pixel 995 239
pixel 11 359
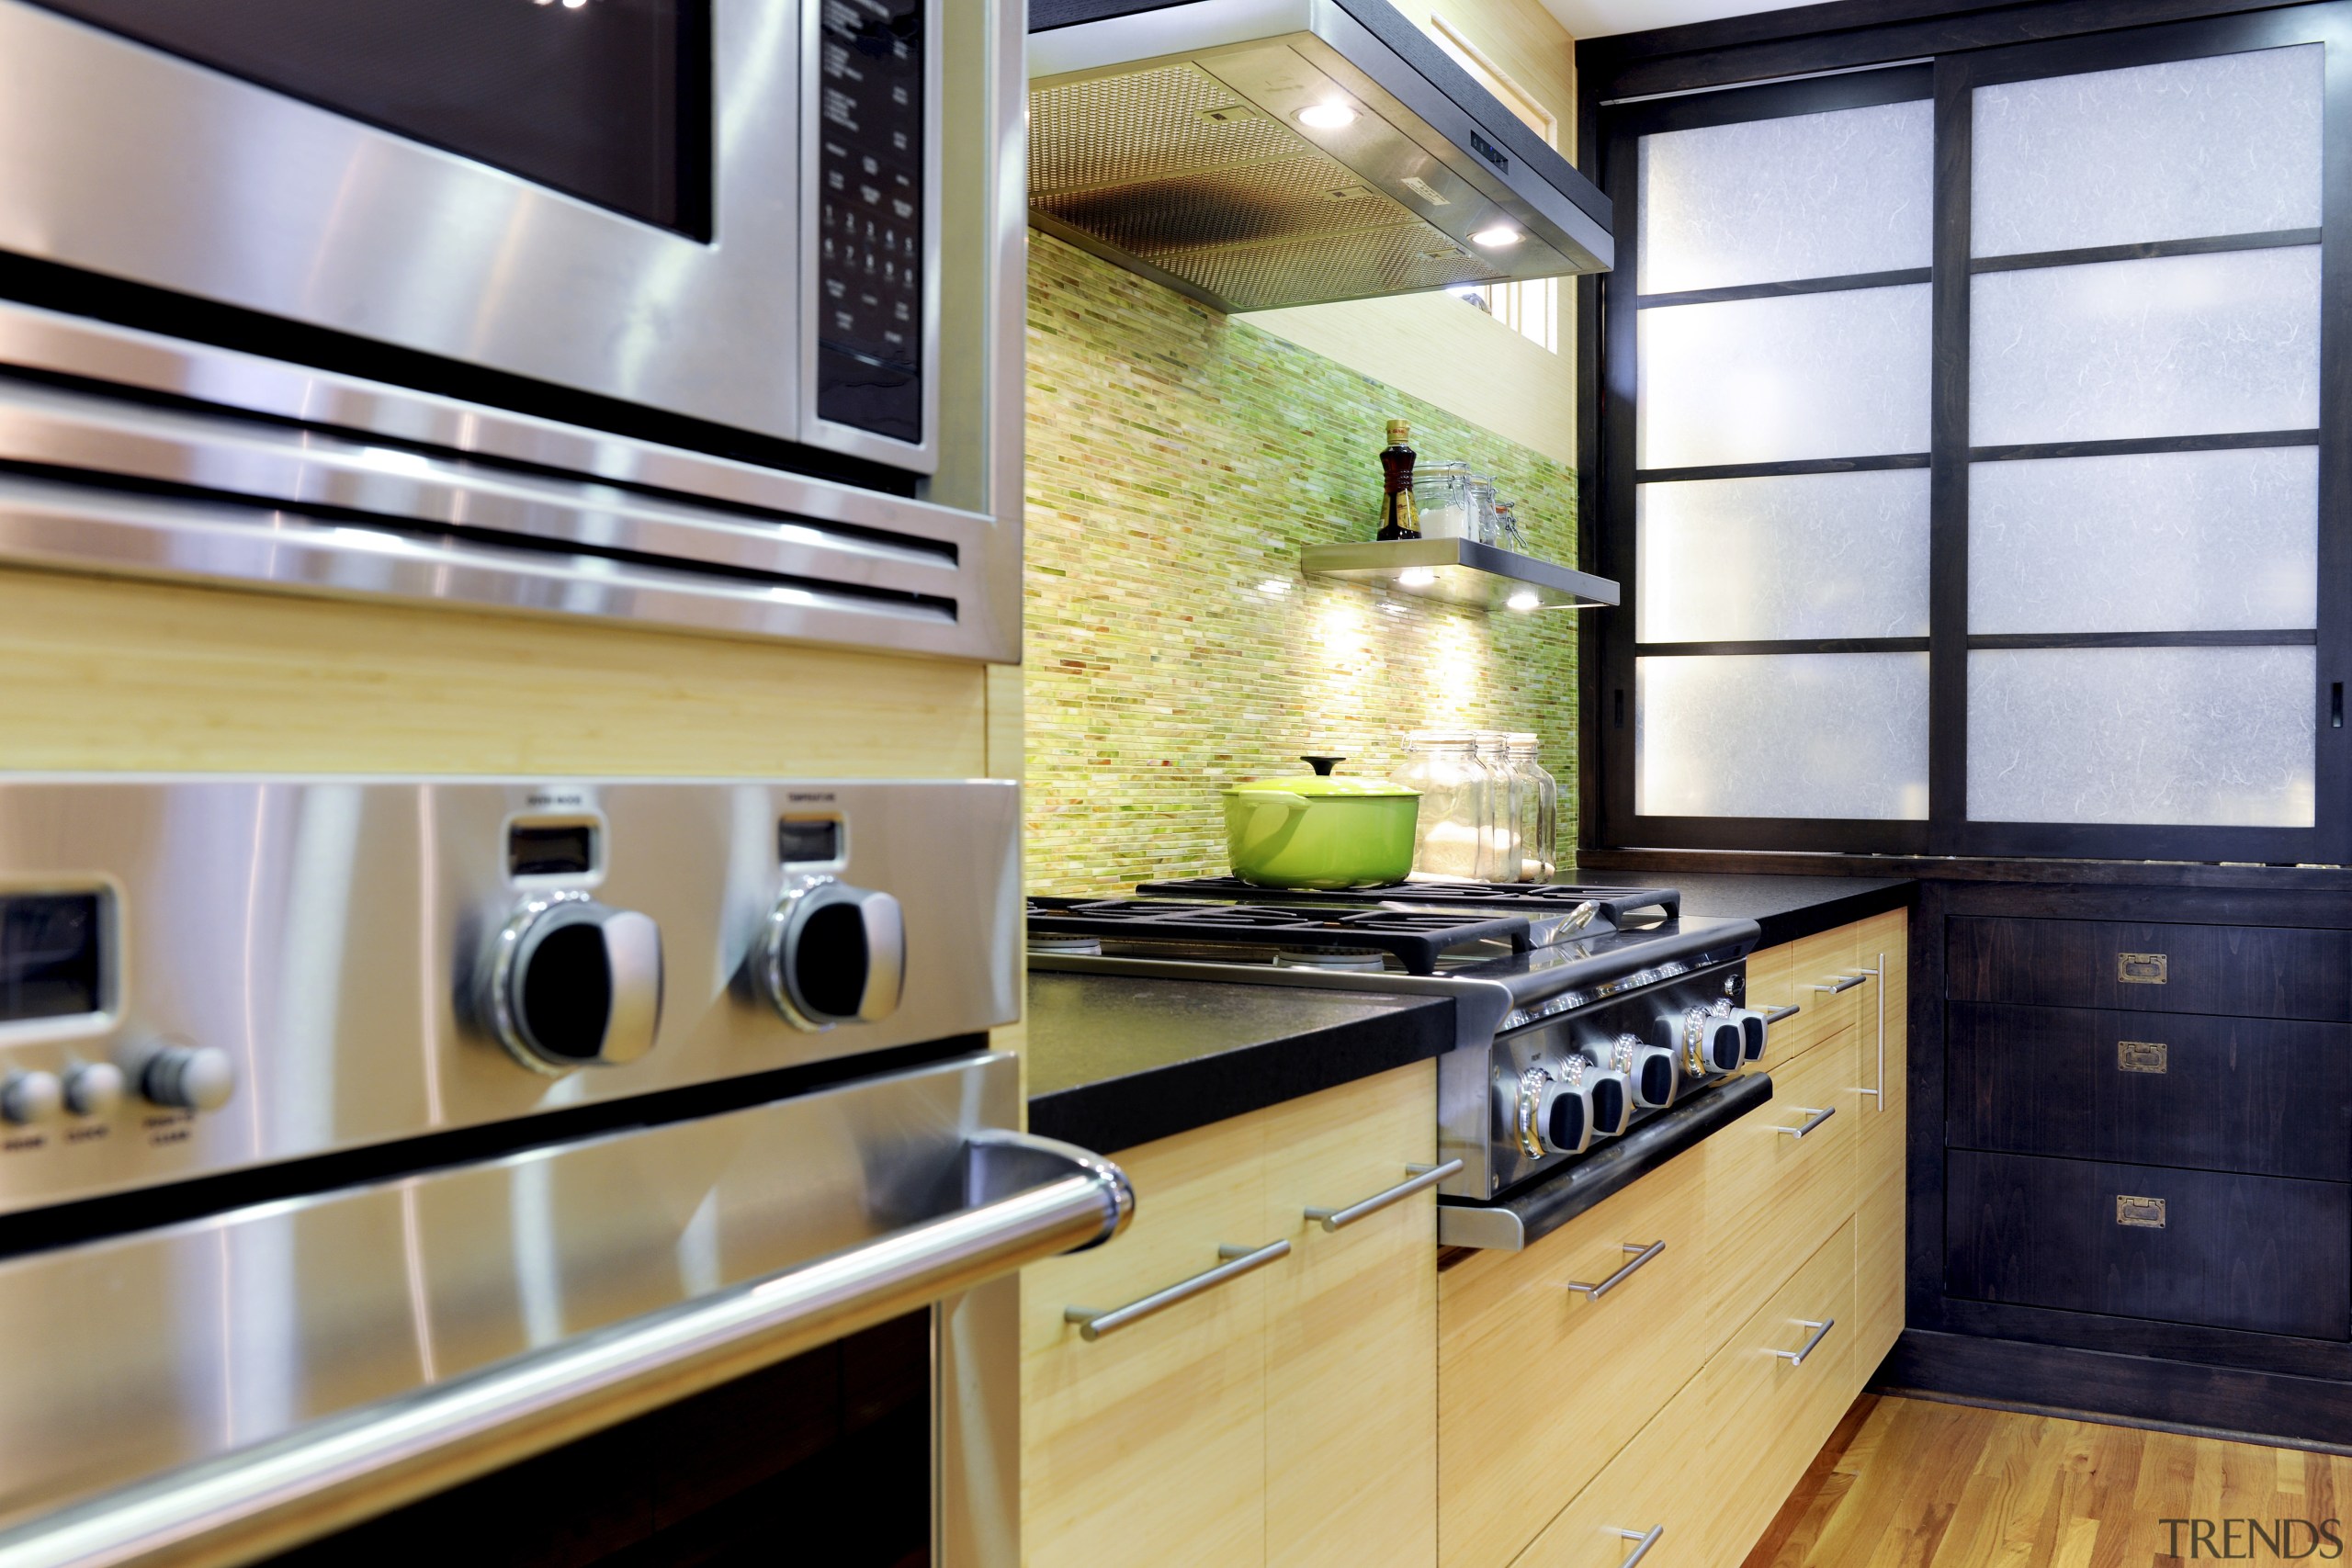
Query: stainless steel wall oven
pixel 702 311
pixel 527 1172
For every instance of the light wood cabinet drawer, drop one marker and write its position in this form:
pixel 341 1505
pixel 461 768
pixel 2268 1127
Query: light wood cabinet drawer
pixel 1657 1482
pixel 1881 1162
pixel 1351 1329
pixel 1774 1196
pixel 1538 1385
pixel 1769 1413
pixel 1155 1433
pixel 1805 974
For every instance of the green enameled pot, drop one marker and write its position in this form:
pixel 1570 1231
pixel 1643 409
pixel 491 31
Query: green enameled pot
pixel 1320 832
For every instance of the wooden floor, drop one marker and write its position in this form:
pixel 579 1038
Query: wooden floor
pixel 1908 1484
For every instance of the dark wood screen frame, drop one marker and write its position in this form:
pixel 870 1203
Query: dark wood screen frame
pixel 1875 48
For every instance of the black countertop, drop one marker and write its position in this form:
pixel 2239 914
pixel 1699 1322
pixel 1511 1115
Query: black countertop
pixel 1116 1060
pixel 1786 908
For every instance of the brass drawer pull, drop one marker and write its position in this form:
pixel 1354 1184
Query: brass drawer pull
pixel 1093 1322
pixel 1647 1537
pixel 1820 1332
pixel 1813 1117
pixel 1843 983
pixel 2141 968
pixel 1644 1253
pixel 2142 1057
pixel 2141 1213
pixel 1423 1178
pixel 1781 1015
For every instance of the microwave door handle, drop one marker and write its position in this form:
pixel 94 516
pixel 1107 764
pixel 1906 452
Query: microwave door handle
pixel 345 1468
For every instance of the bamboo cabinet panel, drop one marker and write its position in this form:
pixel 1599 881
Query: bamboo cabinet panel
pixel 1773 1197
pixel 1148 1445
pixel 1351 1329
pixel 1818 975
pixel 1883 1111
pixel 1539 1384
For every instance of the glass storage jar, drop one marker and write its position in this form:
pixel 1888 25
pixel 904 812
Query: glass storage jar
pixel 1443 765
pixel 1538 810
pixel 1498 843
pixel 1453 501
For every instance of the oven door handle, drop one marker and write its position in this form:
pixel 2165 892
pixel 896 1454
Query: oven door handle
pixel 1031 1198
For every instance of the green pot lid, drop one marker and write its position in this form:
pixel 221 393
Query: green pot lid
pixel 1324 787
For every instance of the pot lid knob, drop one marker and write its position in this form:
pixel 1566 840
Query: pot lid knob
pixel 1322 765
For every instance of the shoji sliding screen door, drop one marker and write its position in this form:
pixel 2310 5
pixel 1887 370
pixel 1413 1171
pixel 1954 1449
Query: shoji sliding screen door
pixel 1972 440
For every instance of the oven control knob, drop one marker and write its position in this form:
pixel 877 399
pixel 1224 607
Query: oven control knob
pixel 27 1098
pixel 575 984
pixel 189 1077
pixel 1752 1030
pixel 833 954
pixel 94 1088
pixel 1609 1075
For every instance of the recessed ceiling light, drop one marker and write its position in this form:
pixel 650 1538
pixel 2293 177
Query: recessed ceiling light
pixel 1496 238
pixel 1525 599
pixel 1327 117
pixel 1417 577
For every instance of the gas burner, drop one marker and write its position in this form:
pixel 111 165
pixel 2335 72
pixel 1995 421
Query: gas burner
pixel 1344 963
pixel 1065 946
pixel 1415 938
pixel 1611 905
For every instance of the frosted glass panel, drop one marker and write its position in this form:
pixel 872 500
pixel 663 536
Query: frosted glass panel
pixel 2200 737
pixel 1772 200
pixel 1800 556
pixel 2166 541
pixel 2225 145
pixel 1836 375
pixel 2179 346
pixel 1838 735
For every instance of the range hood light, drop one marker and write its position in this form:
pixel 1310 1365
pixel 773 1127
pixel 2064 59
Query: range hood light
pixel 1496 238
pixel 1525 599
pixel 1333 115
pixel 1417 577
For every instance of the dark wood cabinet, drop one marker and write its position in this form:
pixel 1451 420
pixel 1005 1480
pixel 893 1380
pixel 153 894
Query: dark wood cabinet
pixel 2229 1251
pixel 2147 967
pixel 2265 1097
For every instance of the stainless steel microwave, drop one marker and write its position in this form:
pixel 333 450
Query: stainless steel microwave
pixel 780 234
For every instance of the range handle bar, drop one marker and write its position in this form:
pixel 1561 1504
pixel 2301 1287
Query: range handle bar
pixel 348 1467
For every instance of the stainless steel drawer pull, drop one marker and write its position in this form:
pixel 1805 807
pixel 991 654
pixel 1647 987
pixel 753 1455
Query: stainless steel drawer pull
pixel 1424 1176
pixel 1781 1015
pixel 1035 1198
pixel 1093 1322
pixel 1815 1115
pixel 1879 1093
pixel 1648 1538
pixel 1641 1255
pixel 1820 1332
pixel 1843 983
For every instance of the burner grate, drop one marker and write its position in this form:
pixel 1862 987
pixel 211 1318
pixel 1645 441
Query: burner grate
pixel 1615 903
pixel 1414 937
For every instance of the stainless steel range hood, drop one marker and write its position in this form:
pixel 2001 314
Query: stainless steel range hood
pixel 1253 153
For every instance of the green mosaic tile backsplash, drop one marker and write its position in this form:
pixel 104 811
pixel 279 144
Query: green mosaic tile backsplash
pixel 1178 461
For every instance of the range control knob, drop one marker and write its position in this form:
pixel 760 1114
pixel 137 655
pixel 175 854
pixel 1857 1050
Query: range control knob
pixel 1752 1031
pixel 1649 1069
pixel 1706 1044
pixel 27 1098
pixel 833 954
pixel 1609 1072
pixel 575 984
pixel 189 1077
pixel 94 1088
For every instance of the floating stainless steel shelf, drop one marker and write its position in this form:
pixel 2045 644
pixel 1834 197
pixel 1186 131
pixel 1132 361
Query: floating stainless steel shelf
pixel 1463 571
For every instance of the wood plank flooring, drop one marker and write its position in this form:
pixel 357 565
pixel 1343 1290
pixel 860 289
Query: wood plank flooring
pixel 1910 1483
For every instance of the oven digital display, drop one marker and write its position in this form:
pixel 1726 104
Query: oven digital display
pixel 51 956
pixel 608 100
pixel 870 202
